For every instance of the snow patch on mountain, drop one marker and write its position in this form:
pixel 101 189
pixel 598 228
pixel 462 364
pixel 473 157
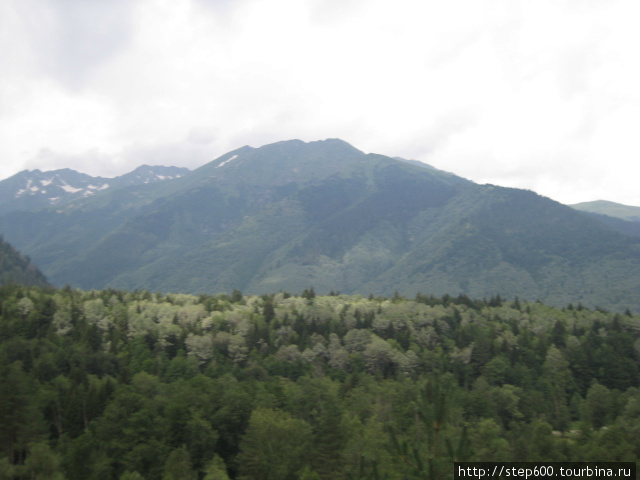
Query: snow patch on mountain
pixel 69 189
pixel 32 189
pixel 227 161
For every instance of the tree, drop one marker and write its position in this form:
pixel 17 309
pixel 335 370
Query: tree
pixel 216 469
pixel 268 311
pixel 42 463
pixel 558 334
pixel 596 406
pixel 201 439
pixel 496 370
pixel 488 442
pixel 275 446
pixel 431 453
pixel 178 466
pixel 330 434
pixel 557 381
pixel 131 476
pixel 20 420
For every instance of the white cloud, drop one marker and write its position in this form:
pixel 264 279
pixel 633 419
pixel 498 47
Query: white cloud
pixel 539 95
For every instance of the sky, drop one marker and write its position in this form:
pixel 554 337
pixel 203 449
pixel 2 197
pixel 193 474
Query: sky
pixel 535 94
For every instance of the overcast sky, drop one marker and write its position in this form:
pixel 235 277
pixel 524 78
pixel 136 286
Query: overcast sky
pixel 537 94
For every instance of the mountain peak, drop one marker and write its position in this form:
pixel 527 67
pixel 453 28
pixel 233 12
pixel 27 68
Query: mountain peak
pixel 333 143
pixel 35 189
pixel 282 162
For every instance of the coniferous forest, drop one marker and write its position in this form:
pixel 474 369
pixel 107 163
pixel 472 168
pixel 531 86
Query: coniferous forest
pixel 110 384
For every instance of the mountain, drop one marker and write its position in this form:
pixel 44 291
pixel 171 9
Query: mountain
pixel 16 268
pixel 292 215
pixel 611 209
pixel 34 189
pixel 621 218
pixel 415 162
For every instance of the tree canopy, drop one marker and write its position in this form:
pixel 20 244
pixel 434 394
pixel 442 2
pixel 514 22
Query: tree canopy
pixel 109 384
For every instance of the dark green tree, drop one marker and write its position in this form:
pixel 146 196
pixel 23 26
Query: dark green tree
pixel 275 446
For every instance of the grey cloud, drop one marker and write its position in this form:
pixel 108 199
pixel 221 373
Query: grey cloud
pixel 180 154
pixel 445 127
pixel 576 66
pixel 446 50
pixel 73 37
pixel 224 12
pixel 328 11
pixel 217 5
pixel 97 163
pixel 48 159
pixel 200 136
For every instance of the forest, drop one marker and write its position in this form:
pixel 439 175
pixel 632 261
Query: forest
pixel 111 384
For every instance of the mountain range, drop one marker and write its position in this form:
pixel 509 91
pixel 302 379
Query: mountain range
pixel 33 189
pixel 293 215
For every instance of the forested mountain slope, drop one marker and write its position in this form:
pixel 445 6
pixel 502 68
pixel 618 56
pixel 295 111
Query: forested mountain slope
pixel 293 215
pixel 128 385
pixel 16 268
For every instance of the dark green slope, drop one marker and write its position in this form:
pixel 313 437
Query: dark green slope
pixel 291 215
pixel 516 243
pixel 16 268
pixel 364 238
pixel 287 232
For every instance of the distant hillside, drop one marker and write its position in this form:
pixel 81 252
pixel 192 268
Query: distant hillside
pixel 292 215
pixel 612 209
pixel 17 268
pixel 34 189
pixel 624 219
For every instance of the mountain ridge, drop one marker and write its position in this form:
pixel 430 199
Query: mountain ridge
pixel 293 214
pixel 35 189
